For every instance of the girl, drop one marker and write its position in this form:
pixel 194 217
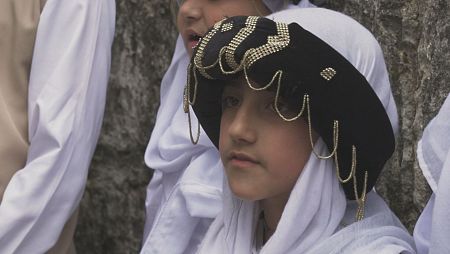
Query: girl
pixel 184 194
pixel 304 127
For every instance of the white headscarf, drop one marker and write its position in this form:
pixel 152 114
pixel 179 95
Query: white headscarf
pixel 317 217
pixel 432 230
pixel 185 192
pixel 278 5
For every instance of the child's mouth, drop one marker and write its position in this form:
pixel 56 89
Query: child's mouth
pixel 242 160
pixel 194 39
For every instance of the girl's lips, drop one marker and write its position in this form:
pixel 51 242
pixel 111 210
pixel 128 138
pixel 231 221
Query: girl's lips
pixel 242 160
pixel 193 38
pixel 241 163
pixel 192 43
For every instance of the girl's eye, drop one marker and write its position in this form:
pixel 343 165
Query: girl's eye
pixel 282 106
pixel 229 102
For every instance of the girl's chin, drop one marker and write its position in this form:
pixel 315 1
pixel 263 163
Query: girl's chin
pixel 245 194
pixel 190 45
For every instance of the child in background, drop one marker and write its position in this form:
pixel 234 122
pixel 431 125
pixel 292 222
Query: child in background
pixel 304 120
pixel 432 231
pixel 185 192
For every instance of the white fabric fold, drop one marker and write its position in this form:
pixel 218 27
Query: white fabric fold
pixel 67 89
pixel 278 5
pixel 432 229
pixel 317 194
pixel 434 145
pixel 317 218
pixel 379 232
pixel 302 227
pixel 188 175
pixel 185 190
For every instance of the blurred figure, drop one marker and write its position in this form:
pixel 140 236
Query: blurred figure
pixel 54 68
pixel 432 231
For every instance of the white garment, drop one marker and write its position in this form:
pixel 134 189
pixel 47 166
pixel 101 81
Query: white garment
pixel 302 227
pixel 185 192
pixel 278 5
pixel 317 218
pixel 432 231
pixel 67 89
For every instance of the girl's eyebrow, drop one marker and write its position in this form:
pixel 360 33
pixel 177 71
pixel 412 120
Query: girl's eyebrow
pixel 234 83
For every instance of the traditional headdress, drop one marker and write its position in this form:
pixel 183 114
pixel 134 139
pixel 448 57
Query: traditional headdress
pixel 335 99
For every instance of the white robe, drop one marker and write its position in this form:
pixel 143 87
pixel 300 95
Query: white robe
pixel 185 192
pixel 67 88
pixel 432 230
pixel 317 218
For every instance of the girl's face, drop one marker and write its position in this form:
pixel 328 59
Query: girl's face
pixel 195 17
pixel 263 155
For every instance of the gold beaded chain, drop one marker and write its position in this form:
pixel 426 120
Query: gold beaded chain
pixel 235 70
pixel 187 102
pixel 335 134
pixel 194 141
pixel 352 169
pixel 247 30
pixel 187 90
pixel 360 200
pixel 201 48
pixel 274 44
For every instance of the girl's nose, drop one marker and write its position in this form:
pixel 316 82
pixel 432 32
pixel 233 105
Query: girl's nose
pixel 190 10
pixel 242 129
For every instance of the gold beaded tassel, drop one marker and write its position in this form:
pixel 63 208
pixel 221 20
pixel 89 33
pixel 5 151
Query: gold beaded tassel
pixel 360 200
pixel 194 141
pixel 352 169
pixel 188 102
pixel 335 134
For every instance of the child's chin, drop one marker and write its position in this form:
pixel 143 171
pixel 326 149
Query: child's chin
pixel 188 50
pixel 245 195
pixel 245 190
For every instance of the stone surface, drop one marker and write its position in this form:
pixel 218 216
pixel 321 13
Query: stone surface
pixel 415 38
pixel 112 210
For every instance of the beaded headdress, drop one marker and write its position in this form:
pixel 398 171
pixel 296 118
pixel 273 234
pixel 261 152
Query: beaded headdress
pixel 329 92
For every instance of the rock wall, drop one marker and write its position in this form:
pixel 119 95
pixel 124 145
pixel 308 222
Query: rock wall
pixel 415 38
pixel 112 212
